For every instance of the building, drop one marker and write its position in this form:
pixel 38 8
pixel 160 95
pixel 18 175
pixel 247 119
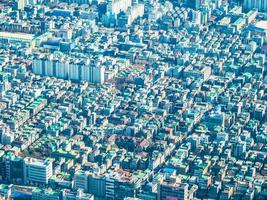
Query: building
pixel 196 4
pixel 259 30
pixel 261 5
pixel 215 120
pixel 6 136
pixel 239 148
pixel 196 17
pixel 127 18
pixel 20 4
pixel 116 6
pixel 81 180
pixel 47 194
pixel 36 171
pixel 51 66
pixel 23 38
pixel 97 185
pixel 5 191
pixel 56 65
pixel 11 169
pixel 78 195
pixel 172 189
pixel 122 12
pixel 110 187
pixel 14 165
pixel 121 184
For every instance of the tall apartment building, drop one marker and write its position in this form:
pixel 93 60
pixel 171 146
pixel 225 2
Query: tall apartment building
pixel 122 12
pixel 261 5
pixel 196 4
pixel 6 136
pixel 19 4
pixel 81 180
pixel 36 171
pixel 97 185
pixel 73 69
pixel 116 6
pixel 110 188
pixel 131 14
pixel 51 66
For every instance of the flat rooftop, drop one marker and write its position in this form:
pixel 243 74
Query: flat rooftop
pixel 17 36
pixel 261 24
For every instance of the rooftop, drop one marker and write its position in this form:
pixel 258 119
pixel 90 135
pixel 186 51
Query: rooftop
pixel 261 24
pixel 17 36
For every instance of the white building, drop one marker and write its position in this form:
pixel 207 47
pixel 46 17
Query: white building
pixel 133 10
pixel 51 66
pixel 67 68
pixel 61 69
pixel 75 70
pixel 6 136
pixel 196 17
pixel 36 171
pixel 116 6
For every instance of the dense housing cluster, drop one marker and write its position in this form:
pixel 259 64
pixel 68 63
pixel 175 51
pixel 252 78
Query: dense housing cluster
pixel 128 99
